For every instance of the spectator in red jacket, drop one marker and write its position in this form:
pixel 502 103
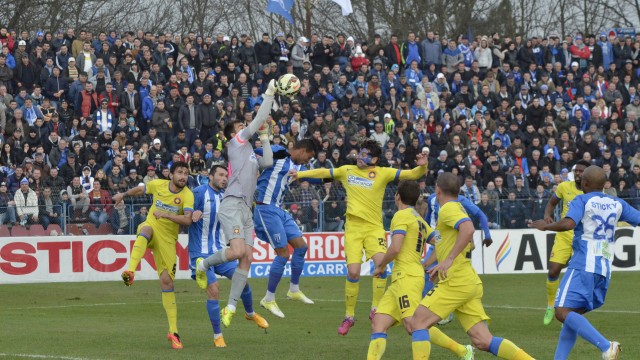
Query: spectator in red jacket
pixel 101 205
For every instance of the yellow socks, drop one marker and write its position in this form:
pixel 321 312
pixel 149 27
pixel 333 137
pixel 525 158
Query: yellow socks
pixel 139 248
pixel 552 289
pixel 170 307
pixel 521 355
pixel 351 289
pixel 441 339
pixel 505 349
pixel 420 344
pixel 379 285
pixel 377 346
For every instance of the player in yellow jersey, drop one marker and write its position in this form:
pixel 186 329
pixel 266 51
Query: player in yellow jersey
pixel 458 288
pixel 172 206
pixel 409 233
pixel 561 251
pixel 365 184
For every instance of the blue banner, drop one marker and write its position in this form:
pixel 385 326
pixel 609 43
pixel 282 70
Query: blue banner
pixel 622 32
pixel 282 8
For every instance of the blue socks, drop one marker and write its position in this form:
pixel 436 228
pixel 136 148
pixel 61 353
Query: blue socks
pixel 275 273
pixel 297 264
pixel 566 341
pixel 583 327
pixel 494 346
pixel 247 299
pixel 213 309
pixel 378 336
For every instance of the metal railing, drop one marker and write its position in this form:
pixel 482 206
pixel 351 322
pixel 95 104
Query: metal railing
pixel 317 215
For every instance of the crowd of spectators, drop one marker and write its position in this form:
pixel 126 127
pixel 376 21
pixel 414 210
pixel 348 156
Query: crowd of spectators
pixel 84 115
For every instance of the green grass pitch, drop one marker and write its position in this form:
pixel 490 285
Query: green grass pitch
pixel 106 320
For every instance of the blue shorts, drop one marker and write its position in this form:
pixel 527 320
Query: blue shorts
pixel 275 226
pixel 225 269
pixel 428 285
pixel 582 290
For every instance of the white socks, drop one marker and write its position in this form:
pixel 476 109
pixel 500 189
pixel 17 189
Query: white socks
pixel 270 296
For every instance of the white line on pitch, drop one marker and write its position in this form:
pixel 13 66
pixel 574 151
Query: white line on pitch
pixel 510 307
pixel 38 356
pixel 503 307
pixel 67 306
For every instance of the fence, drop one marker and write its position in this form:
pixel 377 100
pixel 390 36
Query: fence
pixel 104 257
pixel 317 213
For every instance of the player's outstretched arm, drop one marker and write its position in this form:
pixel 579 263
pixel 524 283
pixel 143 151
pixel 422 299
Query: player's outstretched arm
pixel 263 112
pixel 473 210
pixel 629 214
pixel 565 224
pixel 136 191
pixel 418 171
pixel 316 174
pixel 184 219
pixel 573 216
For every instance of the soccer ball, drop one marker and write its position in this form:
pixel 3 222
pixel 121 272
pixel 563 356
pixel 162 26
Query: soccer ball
pixel 288 85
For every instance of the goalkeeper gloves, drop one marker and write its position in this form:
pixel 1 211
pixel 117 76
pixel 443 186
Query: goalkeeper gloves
pixel 271 89
pixel 264 132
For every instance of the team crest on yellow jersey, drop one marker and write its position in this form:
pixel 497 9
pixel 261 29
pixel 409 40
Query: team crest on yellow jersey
pixel 372 175
pixel 436 237
pixel 177 201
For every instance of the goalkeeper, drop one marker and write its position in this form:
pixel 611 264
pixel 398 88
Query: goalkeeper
pixel 235 212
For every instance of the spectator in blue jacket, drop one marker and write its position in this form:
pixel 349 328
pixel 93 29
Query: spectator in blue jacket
pixel 149 104
pixel 413 74
pixel 431 50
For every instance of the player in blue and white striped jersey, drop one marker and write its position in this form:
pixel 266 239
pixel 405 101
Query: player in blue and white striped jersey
pixel 276 226
pixel 205 239
pixel 592 217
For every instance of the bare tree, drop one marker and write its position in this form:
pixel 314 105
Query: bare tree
pixel 448 17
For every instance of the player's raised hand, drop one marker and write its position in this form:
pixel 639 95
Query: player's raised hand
pixel 487 242
pixel 264 131
pixel 271 89
pixel 293 175
pixel 538 224
pixel 422 159
pixel 196 216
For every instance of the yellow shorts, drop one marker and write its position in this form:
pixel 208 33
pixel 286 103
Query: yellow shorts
pixel 359 236
pixel 464 301
pixel 163 247
pixel 402 297
pixel 562 250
